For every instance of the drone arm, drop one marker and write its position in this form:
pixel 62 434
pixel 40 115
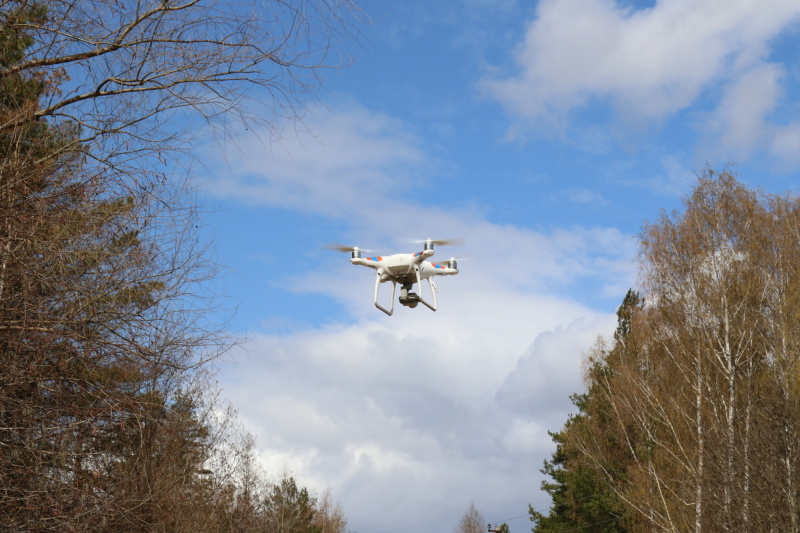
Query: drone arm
pixel 377 286
pixel 419 257
pixel 433 290
pixel 363 262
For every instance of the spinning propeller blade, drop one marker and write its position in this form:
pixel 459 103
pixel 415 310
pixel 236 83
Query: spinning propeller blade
pixel 448 262
pixel 345 249
pixel 441 242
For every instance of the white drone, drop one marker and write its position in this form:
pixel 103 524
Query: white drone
pixel 405 269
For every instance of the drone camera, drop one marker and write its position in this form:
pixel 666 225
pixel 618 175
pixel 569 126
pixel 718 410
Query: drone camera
pixel 410 299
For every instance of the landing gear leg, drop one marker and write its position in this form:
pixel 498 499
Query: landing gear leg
pixel 377 285
pixel 433 290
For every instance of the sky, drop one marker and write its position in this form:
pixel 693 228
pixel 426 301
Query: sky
pixel 544 134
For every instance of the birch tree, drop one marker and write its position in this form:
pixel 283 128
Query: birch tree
pixel 699 404
pixel 473 521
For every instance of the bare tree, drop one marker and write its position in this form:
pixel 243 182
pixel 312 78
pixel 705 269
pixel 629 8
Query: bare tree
pixel 99 332
pixel 329 517
pixel 693 420
pixel 473 521
pixel 130 76
pixel 104 316
pixel 99 324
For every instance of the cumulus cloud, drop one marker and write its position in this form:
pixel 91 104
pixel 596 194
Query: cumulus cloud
pixel 408 422
pixel 333 163
pixel 648 63
pixel 409 418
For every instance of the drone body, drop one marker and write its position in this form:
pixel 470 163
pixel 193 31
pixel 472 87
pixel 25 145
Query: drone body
pixel 405 269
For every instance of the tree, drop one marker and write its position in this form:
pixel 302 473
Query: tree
pixel 473 521
pixel 581 499
pixel 329 517
pixel 691 417
pixel 96 341
pixel 132 74
pixel 105 424
pixel 289 509
pixel 98 329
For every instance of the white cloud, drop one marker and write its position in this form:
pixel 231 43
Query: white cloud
pixel 648 63
pixel 355 169
pixel 409 418
pixel 582 195
pixel 749 119
pixel 334 163
pixel 785 144
pixel 739 124
pixel 673 180
pixel 408 422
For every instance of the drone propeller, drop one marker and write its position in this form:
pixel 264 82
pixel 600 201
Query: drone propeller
pixel 355 250
pixel 450 263
pixel 345 249
pixel 440 242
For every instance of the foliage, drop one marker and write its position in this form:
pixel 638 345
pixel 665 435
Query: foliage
pixel 691 418
pixel 106 422
pixel 580 497
pixel 94 325
pixel 289 509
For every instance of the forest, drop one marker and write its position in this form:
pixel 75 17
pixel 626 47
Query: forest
pixel 690 419
pixel 109 419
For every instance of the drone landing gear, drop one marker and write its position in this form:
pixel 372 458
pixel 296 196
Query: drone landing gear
pixel 418 297
pixel 377 285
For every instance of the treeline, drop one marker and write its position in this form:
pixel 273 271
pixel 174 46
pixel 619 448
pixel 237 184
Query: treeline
pixel 691 417
pixel 107 416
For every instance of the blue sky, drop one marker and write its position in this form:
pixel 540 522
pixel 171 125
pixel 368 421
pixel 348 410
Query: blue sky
pixel 542 133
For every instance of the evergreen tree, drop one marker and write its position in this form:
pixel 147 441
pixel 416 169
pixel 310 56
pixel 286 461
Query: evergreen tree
pixel 581 498
pixel 289 509
pixel 94 343
pixel 690 421
pixel 104 421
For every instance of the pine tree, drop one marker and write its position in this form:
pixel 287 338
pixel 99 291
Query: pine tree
pixel 580 495
pixel 289 509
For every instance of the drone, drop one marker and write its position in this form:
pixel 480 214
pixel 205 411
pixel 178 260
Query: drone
pixel 405 269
